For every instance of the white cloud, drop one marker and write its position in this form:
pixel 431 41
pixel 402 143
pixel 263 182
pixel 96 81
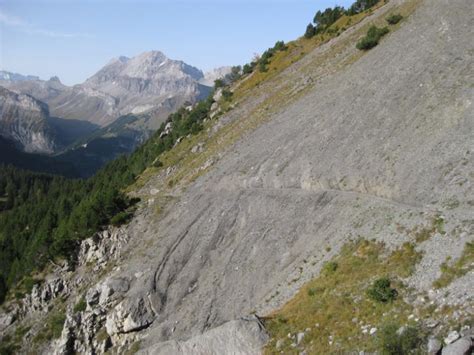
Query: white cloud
pixel 28 28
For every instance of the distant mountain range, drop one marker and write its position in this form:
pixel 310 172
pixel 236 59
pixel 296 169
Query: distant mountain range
pixel 131 95
pixel 149 82
pixel 13 77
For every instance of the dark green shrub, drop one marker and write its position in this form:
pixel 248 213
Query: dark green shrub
pixel 310 31
pixel 394 19
pixel 219 83
pixel 381 291
pixel 280 46
pixel 324 19
pixel 227 94
pixel 374 34
pixel 330 267
pixel 248 68
pixel 157 163
pixel 392 341
pixel 3 289
pixel 235 73
pixel 361 5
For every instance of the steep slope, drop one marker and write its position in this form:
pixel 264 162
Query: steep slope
pixel 336 147
pixel 358 144
pixel 24 121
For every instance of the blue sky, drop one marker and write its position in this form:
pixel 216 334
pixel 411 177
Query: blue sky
pixel 73 39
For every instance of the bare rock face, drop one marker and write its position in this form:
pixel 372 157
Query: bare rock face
pixel 100 248
pixel 42 295
pixel 95 253
pixel 130 315
pixel 23 120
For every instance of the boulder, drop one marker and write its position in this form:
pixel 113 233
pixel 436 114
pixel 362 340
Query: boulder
pixel 434 346
pixel 462 346
pixel 132 314
pixel 6 319
pixel 452 336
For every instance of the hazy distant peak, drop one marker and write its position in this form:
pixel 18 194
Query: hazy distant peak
pixel 155 56
pixel 118 60
pixel 13 77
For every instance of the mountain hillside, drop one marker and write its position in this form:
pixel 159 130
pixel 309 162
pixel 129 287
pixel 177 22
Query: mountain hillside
pixel 322 205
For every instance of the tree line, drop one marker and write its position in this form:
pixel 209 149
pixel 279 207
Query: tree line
pixel 44 217
pixel 323 20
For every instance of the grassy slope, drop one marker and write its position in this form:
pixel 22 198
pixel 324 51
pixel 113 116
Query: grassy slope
pixel 335 305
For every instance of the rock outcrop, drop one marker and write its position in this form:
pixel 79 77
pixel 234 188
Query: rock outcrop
pixel 24 120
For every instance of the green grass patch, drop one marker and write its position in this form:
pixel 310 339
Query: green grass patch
pixel 80 306
pixel 52 328
pixel 336 303
pixel 457 269
pixel 392 340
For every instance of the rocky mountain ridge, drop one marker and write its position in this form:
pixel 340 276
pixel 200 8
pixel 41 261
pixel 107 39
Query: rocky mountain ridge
pixel 9 76
pixel 149 82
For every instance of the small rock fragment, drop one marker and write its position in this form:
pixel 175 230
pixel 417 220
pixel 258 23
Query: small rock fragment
pixel 452 337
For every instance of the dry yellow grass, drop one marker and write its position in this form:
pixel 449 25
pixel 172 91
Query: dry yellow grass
pixel 335 304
